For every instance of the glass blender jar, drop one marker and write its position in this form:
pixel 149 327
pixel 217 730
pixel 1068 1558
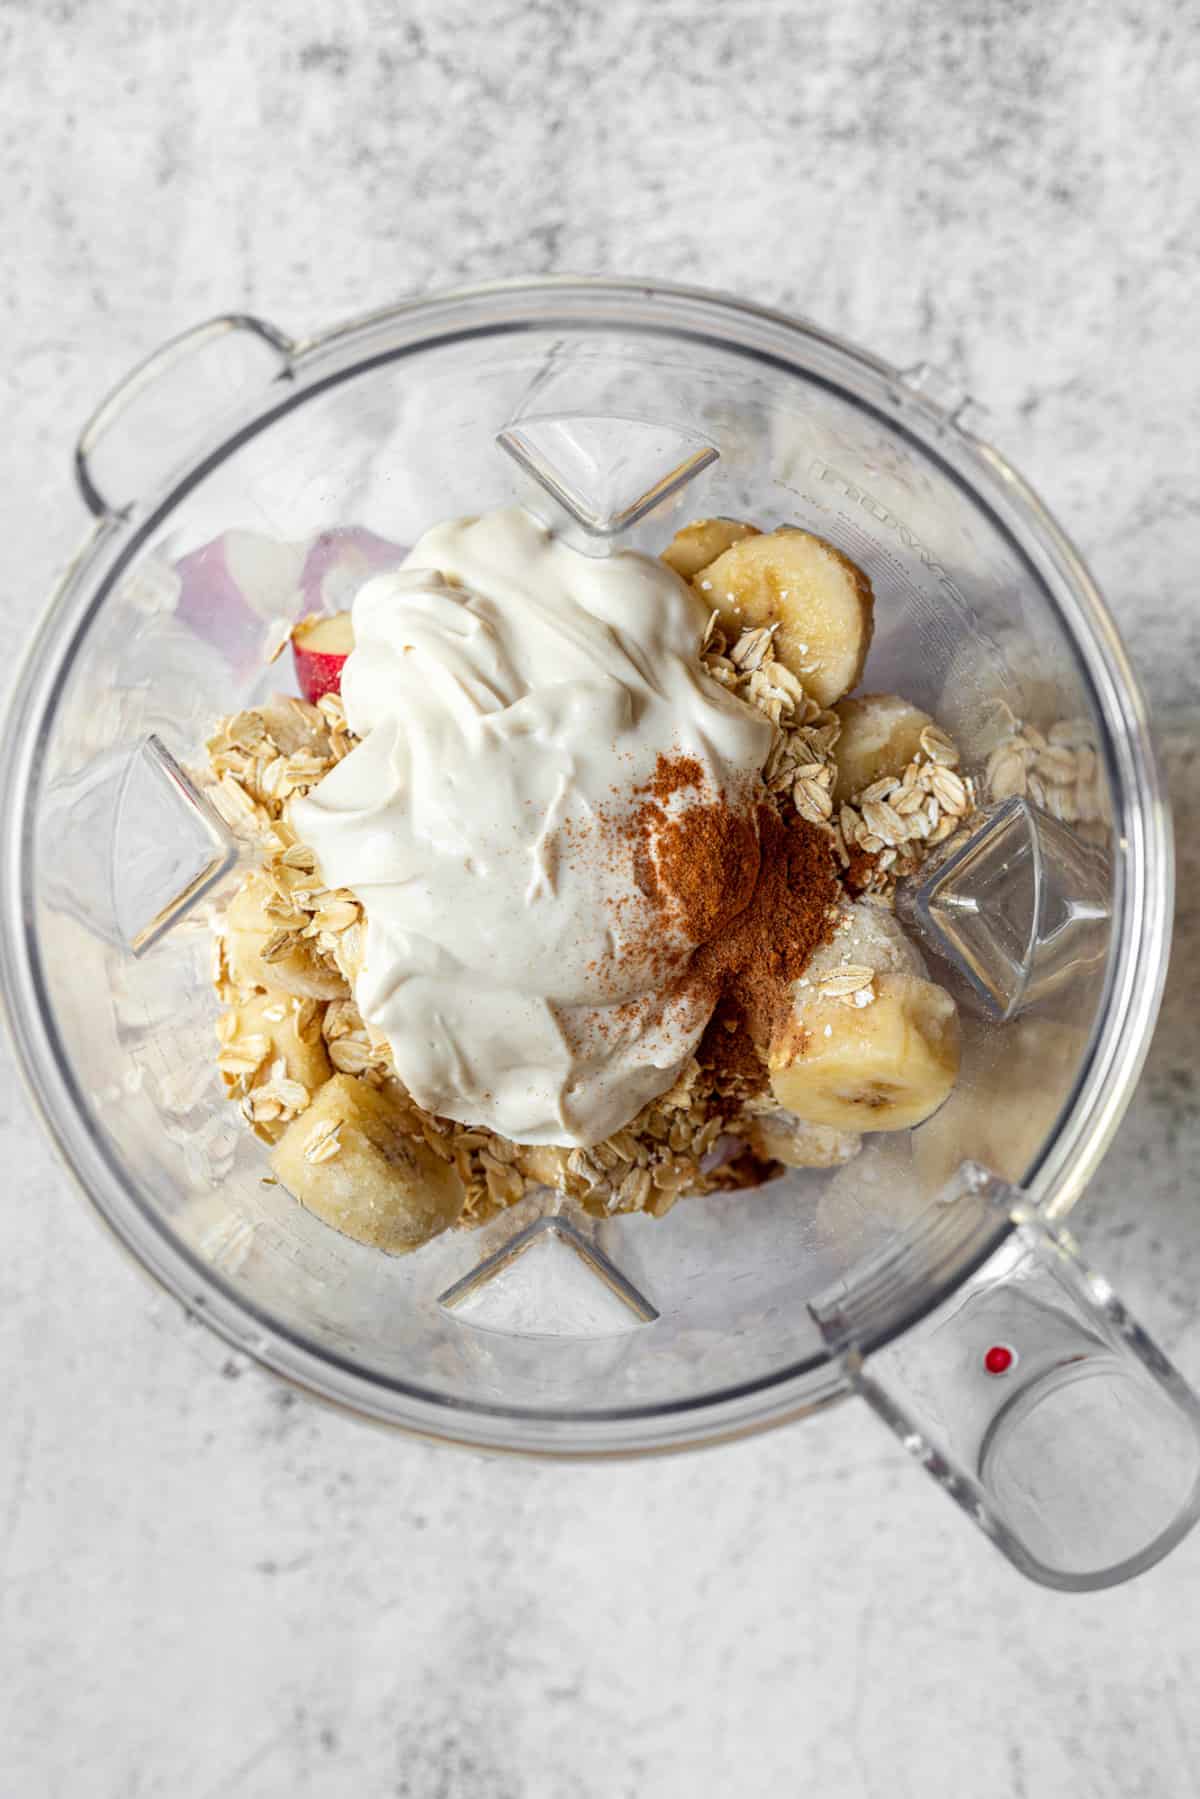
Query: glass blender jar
pixel 237 480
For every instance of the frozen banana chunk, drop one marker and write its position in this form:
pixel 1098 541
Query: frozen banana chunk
pixel 702 542
pixel 262 953
pixel 291 1029
pixel 820 603
pixel 885 1065
pixel 880 735
pixel 351 1160
pixel 868 935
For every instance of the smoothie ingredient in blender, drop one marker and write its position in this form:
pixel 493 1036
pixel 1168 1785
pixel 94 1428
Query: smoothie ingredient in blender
pixel 880 736
pixel 594 923
pixel 816 601
pixel 320 646
pixel 358 1164
pixel 886 1067
pixel 693 548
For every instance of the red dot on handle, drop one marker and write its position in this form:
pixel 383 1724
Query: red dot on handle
pixel 998 1359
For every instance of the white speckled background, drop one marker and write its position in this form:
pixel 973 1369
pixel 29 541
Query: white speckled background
pixel 209 1589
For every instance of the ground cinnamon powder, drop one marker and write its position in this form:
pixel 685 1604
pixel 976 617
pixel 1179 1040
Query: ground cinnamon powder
pixel 708 864
pixel 672 774
pixel 860 869
pixel 697 864
pixel 726 1052
pixel 755 886
pixel 753 963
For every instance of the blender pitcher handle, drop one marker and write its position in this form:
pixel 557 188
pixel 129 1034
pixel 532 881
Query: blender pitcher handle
pixel 1030 1395
pixel 168 401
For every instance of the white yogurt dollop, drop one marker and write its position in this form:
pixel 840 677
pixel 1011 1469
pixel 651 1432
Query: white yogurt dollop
pixel 511 695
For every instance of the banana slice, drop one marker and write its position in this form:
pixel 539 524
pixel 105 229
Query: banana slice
pixel 821 603
pixel 291 1032
pixel 868 935
pixel 781 1137
pixel 881 733
pixel 295 966
pixel 350 1160
pixel 884 1066
pixel 702 542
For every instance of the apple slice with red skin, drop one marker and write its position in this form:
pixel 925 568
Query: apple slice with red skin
pixel 320 645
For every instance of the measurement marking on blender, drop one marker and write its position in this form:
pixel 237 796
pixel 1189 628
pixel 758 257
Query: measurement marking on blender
pixel 858 496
